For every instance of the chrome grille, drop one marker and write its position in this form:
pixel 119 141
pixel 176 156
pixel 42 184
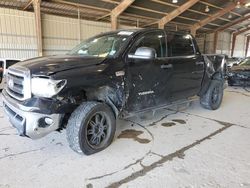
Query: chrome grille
pixel 18 83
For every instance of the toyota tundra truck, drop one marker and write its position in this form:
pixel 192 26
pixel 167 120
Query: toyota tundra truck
pixel 113 75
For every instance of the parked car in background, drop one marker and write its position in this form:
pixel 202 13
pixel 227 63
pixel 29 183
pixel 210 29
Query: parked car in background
pixel 240 74
pixel 4 65
pixel 233 61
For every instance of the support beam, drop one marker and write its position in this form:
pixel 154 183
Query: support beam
pixel 216 34
pixel 117 11
pixel 247 45
pixel 215 16
pixel 233 45
pixel 235 22
pixel 28 4
pixel 193 31
pixel 79 25
pixel 114 22
pixel 218 7
pixel 81 5
pixel 234 38
pixel 176 13
pixel 38 22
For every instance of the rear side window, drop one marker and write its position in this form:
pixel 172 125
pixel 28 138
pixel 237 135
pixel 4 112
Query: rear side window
pixel 179 45
pixel 10 63
pixel 155 40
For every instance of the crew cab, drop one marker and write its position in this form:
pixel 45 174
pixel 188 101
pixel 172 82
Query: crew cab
pixel 113 75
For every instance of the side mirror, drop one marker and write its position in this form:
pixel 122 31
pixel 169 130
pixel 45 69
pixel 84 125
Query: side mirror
pixel 143 53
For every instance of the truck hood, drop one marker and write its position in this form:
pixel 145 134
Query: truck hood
pixel 52 64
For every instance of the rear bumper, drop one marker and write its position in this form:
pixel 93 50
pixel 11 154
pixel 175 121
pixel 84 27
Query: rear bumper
pixel 28 123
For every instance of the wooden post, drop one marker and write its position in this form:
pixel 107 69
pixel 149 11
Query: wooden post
pixel 215 40
pixel 193 31
pixel 114 23
pixel 38 23
pixel 79 24
pixel 247 45
pixel 233 44
pixel 117 11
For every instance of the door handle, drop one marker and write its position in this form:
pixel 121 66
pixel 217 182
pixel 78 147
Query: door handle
pixel 199 63
pixel 166 66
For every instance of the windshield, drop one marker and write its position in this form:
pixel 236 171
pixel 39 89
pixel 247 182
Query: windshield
pixel 245 62
pixel 103 46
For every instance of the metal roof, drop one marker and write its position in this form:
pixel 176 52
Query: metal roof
pixel 145 13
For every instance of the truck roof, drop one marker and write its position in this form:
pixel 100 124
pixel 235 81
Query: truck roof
pixel 135 31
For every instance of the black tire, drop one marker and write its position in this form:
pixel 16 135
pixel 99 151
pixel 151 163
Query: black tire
pixel 213 97
pixel 87 135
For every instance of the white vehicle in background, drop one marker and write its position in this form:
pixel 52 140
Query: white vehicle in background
pixel 4 65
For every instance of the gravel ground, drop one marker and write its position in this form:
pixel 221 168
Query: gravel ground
pixel 190 147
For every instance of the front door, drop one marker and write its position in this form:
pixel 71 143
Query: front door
pixel 147 79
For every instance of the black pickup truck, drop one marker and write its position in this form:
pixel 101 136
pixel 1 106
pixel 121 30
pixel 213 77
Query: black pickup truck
pixel 112 75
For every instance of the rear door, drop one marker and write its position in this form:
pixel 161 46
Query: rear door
pixel 147 79
pixel 188 66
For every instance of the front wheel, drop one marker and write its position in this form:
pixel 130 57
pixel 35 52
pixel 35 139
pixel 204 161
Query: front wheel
pixel 91 128
pixel 213 97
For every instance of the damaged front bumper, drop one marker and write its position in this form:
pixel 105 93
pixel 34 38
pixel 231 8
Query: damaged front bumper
pixel 31 124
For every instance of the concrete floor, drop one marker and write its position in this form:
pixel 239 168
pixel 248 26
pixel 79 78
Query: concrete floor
pixel 193 147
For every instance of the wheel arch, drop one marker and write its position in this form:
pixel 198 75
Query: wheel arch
pixel 112 96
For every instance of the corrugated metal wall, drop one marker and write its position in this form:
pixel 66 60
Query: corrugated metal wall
pixel 17 34
pixel 201 43
pixel 89 28
pixel 240 46
pixel 59 34
pixel 223 43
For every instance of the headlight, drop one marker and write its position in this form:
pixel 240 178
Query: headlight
pixel 230 74
pixel 44 87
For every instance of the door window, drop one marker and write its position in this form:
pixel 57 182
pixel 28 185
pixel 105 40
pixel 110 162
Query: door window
pixel 179 45
pixel 155 40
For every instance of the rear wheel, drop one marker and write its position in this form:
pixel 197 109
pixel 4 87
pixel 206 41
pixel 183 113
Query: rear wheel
pixel 91 128
pixel 213 97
